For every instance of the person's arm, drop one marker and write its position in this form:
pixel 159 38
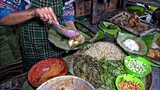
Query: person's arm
pixel 71 25
pixel 17 17
pixel 46 14
pixel 67 17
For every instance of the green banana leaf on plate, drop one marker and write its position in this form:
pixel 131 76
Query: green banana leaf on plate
pixel 123 36
pixel 139 10
pixel 109 28
pixel 63 42
pixel 149 40
pixel 157 36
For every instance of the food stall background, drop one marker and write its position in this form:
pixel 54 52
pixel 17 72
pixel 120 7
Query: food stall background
pixel 10 57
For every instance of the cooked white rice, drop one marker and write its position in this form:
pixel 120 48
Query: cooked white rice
pixel 131 45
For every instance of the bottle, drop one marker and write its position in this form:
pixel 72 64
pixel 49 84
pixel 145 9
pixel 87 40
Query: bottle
pixel 106 5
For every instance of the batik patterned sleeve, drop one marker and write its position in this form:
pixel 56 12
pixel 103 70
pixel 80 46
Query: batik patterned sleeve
pixel 8 7
pixel 68 12
pixel 4 12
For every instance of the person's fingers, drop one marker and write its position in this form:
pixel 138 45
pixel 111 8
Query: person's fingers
pixel 49 21
pixel 44 12
pixel 53 15
pixel 38 13
pixel 47 13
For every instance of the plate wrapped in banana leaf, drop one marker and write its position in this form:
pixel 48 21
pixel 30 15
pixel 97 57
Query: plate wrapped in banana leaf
pixel 132 43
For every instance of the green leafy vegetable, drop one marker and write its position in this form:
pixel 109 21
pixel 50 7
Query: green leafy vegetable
pixel 110 70
pixel 100 73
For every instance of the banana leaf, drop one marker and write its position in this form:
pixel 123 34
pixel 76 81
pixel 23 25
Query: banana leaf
pixel 122 37
pixel 156 36
pixel 149 40
pixel 84 30
pixel 109 28
pixel 61 41
pixel 151 62
pixel 99 35
pixel 139 10
pixel 58 40
pixel 9 47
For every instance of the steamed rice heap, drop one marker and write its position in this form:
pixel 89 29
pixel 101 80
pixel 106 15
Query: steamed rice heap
pixel 131 45
pixel 105 49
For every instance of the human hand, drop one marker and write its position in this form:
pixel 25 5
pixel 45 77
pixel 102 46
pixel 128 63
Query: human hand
pixel 46 14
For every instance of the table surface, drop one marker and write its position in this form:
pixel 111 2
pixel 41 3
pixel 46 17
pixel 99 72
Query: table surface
pixel 17 82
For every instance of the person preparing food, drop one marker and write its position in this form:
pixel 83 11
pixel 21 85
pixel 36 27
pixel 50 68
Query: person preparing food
pixel 35 18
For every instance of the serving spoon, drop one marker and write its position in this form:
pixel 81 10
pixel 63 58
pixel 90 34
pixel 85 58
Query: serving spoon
pixel 68 33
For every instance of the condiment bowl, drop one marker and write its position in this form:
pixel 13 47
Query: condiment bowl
pixel 128 78
pixel 137 66
pixel 45 70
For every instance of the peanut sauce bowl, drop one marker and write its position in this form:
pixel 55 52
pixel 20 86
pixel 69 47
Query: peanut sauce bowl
pixel 67 82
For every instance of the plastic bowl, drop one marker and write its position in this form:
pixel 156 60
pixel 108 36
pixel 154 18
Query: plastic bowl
pixel 68 82
pixel 45 70
pixel 139 10
pixel 137 74
pixel 128 77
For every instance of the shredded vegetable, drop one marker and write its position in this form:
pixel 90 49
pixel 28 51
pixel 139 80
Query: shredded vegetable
pixel 136 66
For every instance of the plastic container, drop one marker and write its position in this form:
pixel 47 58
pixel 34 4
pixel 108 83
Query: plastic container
pixel 128 78
pixel 136 74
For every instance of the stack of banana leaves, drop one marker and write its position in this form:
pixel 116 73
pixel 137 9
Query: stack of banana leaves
pixel 9 46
